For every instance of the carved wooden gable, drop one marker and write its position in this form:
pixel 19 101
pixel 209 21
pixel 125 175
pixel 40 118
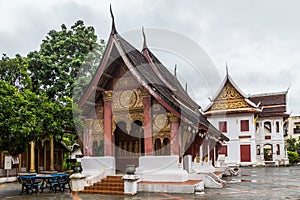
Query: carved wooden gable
pixel 229 98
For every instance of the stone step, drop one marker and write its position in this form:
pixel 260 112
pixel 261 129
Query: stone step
pixel 108 188
pixel 109 185
pixel 111 181
pixel 114 177
pixel 103 192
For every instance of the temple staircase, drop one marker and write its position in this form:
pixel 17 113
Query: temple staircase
pixel 109 185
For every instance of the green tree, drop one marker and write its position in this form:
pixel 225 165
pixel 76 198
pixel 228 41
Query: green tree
pixel 26 116
pixel 15 71
pixel 35 92
pixel 19 123
pixel 55 66
pixel 291 144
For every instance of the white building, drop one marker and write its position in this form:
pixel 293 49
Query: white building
pixel 254 125
pixel 293 128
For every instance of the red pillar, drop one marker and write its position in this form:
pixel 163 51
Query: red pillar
pixel 147 125
pixel 108 143
pixel 174 132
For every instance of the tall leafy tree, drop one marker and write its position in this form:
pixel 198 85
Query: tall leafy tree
pixel 26 116
pixel 19 122
pixel 35 92
pixel 15 71
pixel 55 66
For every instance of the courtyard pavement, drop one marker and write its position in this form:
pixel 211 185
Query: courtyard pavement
pixel 252 183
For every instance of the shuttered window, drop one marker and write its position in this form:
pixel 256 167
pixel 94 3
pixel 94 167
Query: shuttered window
pixel 223 126
pixel 244 125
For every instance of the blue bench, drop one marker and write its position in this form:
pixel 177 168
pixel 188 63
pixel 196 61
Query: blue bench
pixel 30 184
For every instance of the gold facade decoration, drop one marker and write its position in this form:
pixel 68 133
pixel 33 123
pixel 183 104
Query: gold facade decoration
pixel 172 117
pixel 127 118
pixel 100 110
pixel 107 95
pixel 228 99
pixel 161 136
pixel 156 107
pixel 144 92
pixel 160 121
pixel 99 125
pixel 128 99
pixel 186 136
pixel 88 123
pixel 229 93
pixel 125 82
pixel 229 105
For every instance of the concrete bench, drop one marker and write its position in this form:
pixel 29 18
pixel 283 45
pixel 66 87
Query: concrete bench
pixel 161 169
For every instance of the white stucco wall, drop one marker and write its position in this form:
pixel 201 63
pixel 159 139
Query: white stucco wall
pixel 234 133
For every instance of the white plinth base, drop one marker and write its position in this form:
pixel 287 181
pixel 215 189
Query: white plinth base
pixel 130 184
pixel 171 187
pixel 161 169
pixel 78 182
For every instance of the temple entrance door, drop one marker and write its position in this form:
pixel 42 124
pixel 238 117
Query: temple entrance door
pixel 128 146
pixel 245 153
pixel 268 152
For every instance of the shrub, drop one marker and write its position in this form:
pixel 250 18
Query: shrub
pixel 293 157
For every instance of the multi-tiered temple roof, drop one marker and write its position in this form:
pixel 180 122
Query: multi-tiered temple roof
pixel 152 75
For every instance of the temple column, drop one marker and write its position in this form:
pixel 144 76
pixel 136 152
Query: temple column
pixel 208 152
pixel 108 143
pixel 20 162
pixel 201 154
pixel 174 130
pixel 274 155
pixel 32 159
pixel 262 156
pixel 51 154
pixel 148 142
pixel 45 156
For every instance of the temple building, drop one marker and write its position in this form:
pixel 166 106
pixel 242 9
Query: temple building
pixel 135 108
pixel 47 155
pixel 254 124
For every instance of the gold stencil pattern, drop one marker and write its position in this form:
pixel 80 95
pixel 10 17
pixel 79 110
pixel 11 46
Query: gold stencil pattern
pixel 127 99
pixel 161 121
pixel 229 98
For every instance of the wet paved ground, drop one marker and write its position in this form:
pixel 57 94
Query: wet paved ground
pixel 252 183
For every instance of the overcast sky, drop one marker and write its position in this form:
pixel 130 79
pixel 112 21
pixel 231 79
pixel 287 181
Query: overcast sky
pixel 259 39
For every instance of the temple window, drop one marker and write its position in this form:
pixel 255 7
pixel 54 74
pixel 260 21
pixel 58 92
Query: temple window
pixel 277 127
pixel 257 149
pixel 267 127
pixel 244 125
pixel 166 143
pixel 223 126
pixel 157 145
pixel 277 149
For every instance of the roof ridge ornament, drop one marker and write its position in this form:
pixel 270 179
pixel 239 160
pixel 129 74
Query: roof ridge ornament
pixel 144 36
pixel 226 69
pixel 113 27
pixel 175 69
pixel 186 87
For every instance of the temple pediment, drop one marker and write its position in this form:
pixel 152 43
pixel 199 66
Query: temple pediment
pixel 230 98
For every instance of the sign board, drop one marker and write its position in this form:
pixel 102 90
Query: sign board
pixel 7 162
